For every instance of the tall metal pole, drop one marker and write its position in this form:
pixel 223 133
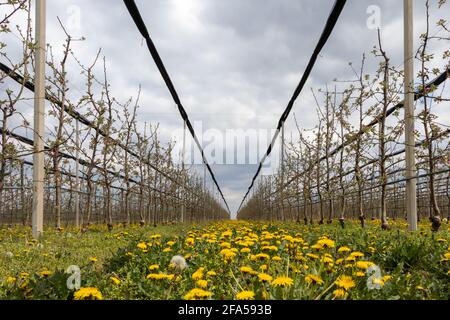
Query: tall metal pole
pixel 282 172
pixel 77 169
pixel 411 199
pixel 183 207
pixel 204 192
pixel 39 110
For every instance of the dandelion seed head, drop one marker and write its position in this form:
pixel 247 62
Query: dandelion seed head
pixel 178 262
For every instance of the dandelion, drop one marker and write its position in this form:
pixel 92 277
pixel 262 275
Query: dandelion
pixel 269 248
pixel 312 278
pixel 282 282
pixel 387 278
pixel 93 259
pixel 197 275
pixel 260 256
pixel 88 293
pixel 357 254
pixel 201 283
pixel 9 255
pixel 276 258
pixel 363 264
pixel 327 243
pixel 228 254
pixel 153 267
pixel 160 276
pixel 142 245
pixel 178 262
pixel 246 269
pixel 115 280
pixel 340 293
pixel 344 249
pixel 245 250
pixel 264 277
pixel 312 256
pixel 196 294
pixel 211 273
pixel 10 280
pixel 45 273
pixel 345 282
pixel 245 295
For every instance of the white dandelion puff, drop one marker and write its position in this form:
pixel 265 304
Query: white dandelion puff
pixel 178 262
pixel 8 255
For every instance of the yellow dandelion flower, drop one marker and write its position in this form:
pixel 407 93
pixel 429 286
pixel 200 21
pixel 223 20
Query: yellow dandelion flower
pixel 88 293
pixel 196 294
pixel 327 243
pixel 10 280
pixel 115 280
pixel 312 278
pixel 345 282
pixel 282 282
pixel 197 275
pixel 201 283
pixel 364 264
pixel 142 245
pixel 245 295
pixel 211 273
pixel 153 267
pixel 344 249
pixel 264 277
pixel 387 278
pixel 245 250
pixel 228 254
pixel 312 256
pixel 276 258
pixel 45 273
pixel 246 269
pixel 340 293
pixel 357 254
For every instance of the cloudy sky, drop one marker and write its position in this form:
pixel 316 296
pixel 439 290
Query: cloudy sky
pixel 234 63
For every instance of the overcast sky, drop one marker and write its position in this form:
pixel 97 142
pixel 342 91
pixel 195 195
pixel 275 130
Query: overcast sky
pixel 234 63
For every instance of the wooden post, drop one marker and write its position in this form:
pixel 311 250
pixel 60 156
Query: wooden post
pixel 411 200
pixel 39 110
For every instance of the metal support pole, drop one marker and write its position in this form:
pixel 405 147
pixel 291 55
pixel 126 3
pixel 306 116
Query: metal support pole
pixel 39 110
pixel 411 199
pixel 282 172
pixel 183 206
pixel 77 169
pixel 204 192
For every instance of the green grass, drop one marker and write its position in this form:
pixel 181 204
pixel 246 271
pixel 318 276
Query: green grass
pixel 417 264
pixel 60 249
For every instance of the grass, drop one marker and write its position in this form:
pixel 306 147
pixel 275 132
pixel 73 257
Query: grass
pixel 229 258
